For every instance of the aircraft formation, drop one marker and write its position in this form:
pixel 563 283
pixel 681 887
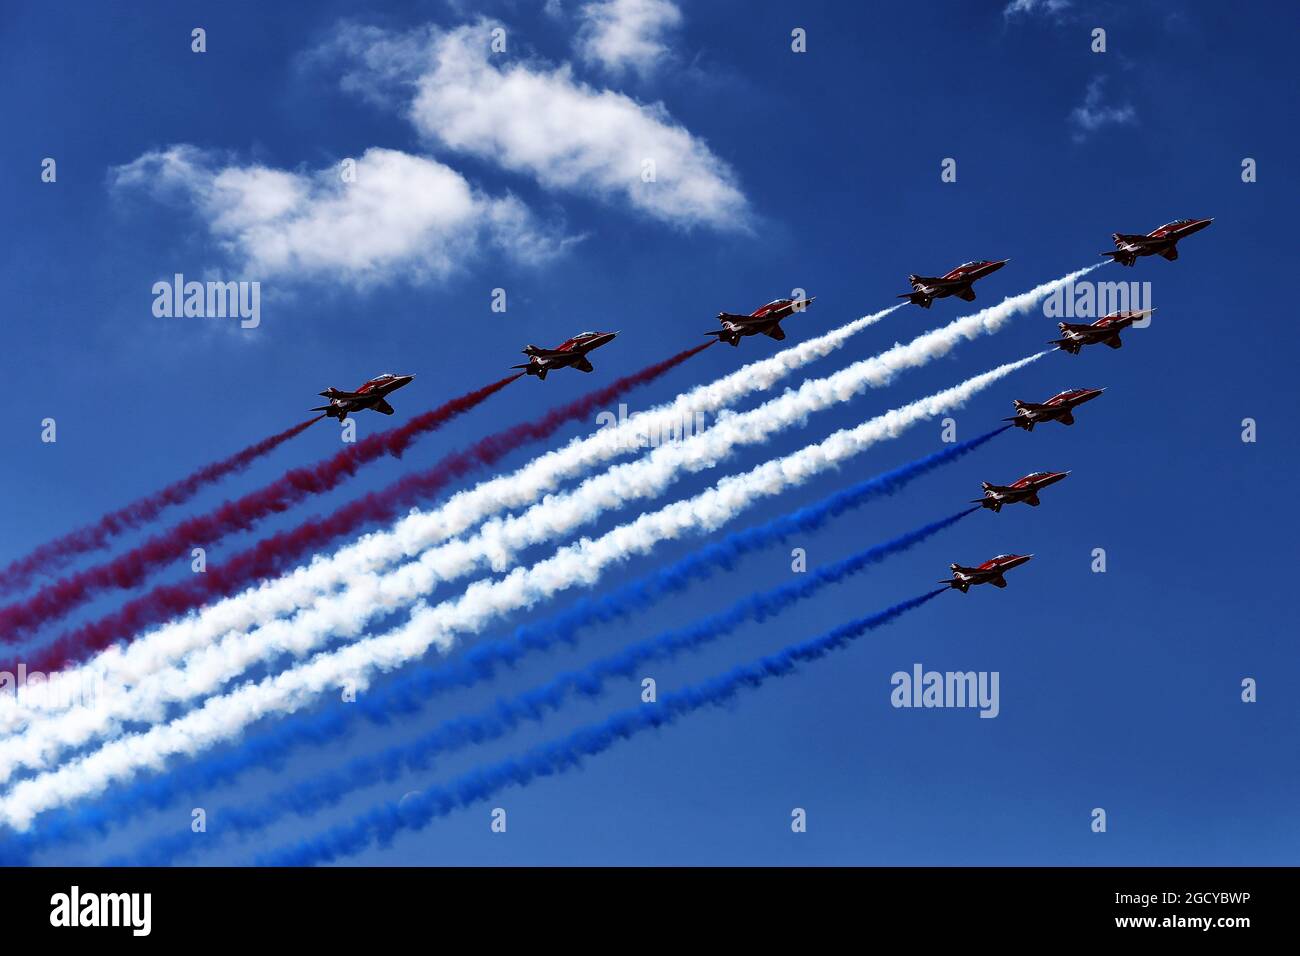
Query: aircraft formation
pixel 959 283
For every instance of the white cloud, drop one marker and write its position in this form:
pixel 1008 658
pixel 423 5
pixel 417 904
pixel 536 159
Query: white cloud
pixel 1028 7
pixel 623 34
pixel 401 215
pixel 1093 114
pixel 537 120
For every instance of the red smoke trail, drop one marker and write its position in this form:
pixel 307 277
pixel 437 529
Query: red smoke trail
pixel 272 555
pixel 134 566
pixel 49 557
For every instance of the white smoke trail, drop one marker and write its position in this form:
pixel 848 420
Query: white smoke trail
pixel 581 564
pixel 366 597
pixel 125 665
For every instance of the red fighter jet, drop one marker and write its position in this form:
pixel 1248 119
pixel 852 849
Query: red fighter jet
pixel 1026 490
pixel 958 282
pixel 1058 408
pixel 370 395
pixel 1162 242
pixel 1106 329
pixel 990 572
pixel 571 353
pixel 765 320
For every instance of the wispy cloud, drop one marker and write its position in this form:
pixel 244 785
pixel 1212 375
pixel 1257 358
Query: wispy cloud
pixel 392 214
pixel 619 35
pixel 535 119
pixel 1094 114
pixel 1026 8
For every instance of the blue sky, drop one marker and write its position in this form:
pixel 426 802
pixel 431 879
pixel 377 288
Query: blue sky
pixel 820 171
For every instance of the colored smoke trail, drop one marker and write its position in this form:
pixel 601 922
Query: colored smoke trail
pixel 128 570
pixel 366 596
pixel 55 554
pixel 411 691
pixel 309 796
pixel 273 554
pixel 382 823
pixel 223 717
pixel 313 585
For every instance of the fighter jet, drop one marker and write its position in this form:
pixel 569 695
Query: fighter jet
pixel 765 320
pixel 1026 490
pixel 372 394
pixel 1106 329
pixel 990 572
pixel 925 289
pixel 571 353
pixel 1162 242
pixel 1059 408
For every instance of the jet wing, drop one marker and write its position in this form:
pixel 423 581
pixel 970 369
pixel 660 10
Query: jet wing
pixel 1115 342
pixel 1171 253
pixel 775 332
pixel 998 582
pixel 732 317
pixel 383 407
pixel 966 294
pixel 582 365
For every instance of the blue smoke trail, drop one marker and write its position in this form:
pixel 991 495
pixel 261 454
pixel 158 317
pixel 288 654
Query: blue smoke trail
pixel 407 694
pixel 310 796
pixel 380 824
